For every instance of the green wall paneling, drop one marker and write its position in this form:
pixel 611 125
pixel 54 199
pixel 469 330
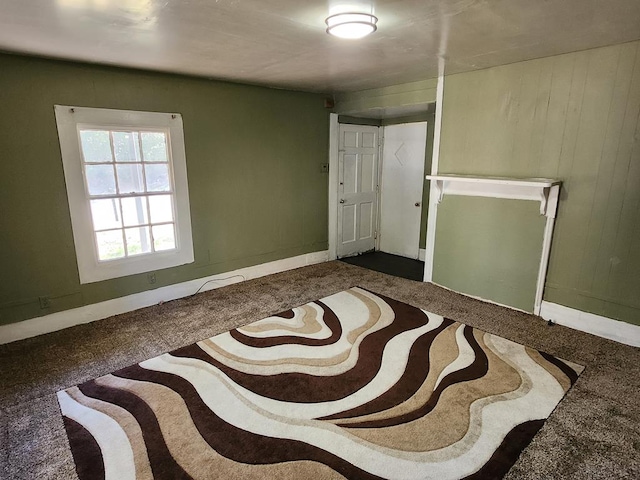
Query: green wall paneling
pixel 573 117
pixel 489 248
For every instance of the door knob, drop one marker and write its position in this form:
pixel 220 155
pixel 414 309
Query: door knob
pixel 342 200
pixel 417 204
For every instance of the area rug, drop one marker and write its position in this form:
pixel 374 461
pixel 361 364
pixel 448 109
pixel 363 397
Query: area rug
pixel 356 385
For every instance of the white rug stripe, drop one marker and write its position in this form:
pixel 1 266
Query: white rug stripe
pixel 314 353
pixel 393 366
pixel 112 440
pixel 353 314
pixel 497 419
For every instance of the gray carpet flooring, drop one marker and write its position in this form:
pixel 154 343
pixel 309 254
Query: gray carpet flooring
pixel 593 434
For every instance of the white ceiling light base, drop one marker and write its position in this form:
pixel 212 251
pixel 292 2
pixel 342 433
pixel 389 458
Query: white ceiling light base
pixel 351 25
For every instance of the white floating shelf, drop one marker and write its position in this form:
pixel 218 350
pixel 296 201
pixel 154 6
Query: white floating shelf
pixel 537 189
pixel 522 182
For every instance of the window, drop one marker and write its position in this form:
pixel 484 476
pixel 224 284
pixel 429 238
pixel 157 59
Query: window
pixel 127 189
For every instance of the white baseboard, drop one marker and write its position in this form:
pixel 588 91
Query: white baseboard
pixel 116 306
pixel 622 332
pixel 422 254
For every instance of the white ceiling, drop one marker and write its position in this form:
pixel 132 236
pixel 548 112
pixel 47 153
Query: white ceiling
pixel 282 43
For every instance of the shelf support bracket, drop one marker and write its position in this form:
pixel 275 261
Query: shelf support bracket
pixel 440 191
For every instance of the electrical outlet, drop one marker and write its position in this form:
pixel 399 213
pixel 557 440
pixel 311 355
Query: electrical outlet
pixel 324 168
pixel 45 302
pixel 151 278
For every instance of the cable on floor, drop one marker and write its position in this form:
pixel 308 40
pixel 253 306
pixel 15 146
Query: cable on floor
pixel 218 280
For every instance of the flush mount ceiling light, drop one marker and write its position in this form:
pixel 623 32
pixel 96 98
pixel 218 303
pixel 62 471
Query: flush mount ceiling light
pixel 351 25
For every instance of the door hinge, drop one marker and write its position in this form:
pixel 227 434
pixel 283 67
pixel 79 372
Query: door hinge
pixel 375 235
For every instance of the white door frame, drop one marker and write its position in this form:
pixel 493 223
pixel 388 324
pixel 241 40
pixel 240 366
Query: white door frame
pixel 433 193
pixel 333 185
pixel 379 191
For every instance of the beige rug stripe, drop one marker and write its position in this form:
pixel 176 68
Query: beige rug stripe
pixel 444 350
pixel 320 425
pixel 191 451
pixel 451 419
pixel 377 313
pixel 558 374
pixel 129 425
pixel 241 363
pixel 310 324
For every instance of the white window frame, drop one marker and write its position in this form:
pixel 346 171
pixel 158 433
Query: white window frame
pixel 90 269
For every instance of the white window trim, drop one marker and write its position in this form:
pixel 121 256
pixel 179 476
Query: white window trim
pixel 89 268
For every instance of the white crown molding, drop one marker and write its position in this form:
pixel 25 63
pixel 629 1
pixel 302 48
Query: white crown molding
pixel 116 306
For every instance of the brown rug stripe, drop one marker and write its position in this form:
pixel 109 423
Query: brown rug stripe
pixel 414 376
pixel 509 450
pixel 302 388
pixel 476 370
pixel 234 443
pixel 566 369
pixel 85 450
pixel 162 463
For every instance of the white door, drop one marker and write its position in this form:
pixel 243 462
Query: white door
pixel 401 184
pixel 357 189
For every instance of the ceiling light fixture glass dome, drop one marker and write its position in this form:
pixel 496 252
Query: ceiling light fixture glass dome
pixel 351 25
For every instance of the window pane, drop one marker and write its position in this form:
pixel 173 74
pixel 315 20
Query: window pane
pixel 100 179
pixel 164 237
pixel 161 210
pixel 95 146
pixel 125 146
pixel 134 211
pixel 106 214
pixel 154 146
pixel 130 178
pixel 157 177
pixel 138 240
pixel 110 245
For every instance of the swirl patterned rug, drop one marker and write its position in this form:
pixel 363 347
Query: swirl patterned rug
pixel 355 385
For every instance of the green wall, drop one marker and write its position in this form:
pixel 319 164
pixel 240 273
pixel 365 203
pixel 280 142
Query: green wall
pixel 254 160
pixel 388 99
pixel 512 229
pixel 574 117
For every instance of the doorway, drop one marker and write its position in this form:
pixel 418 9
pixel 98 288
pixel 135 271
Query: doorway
pixel 378 189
